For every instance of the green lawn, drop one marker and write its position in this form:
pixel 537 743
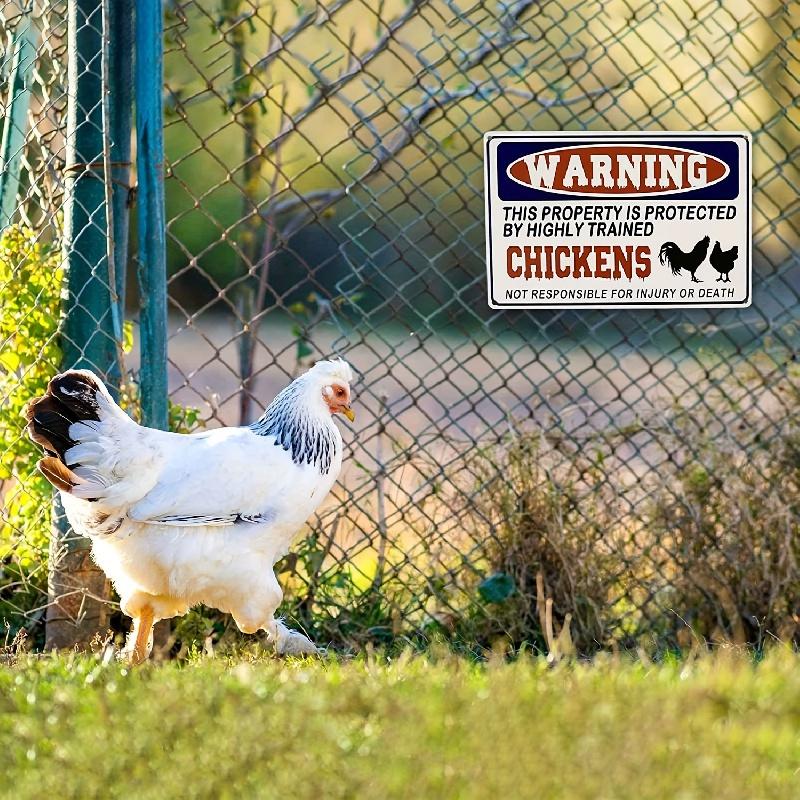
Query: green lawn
pixel 414 728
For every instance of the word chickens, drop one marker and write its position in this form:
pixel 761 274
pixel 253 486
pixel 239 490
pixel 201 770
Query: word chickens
pixel 181 519
pixel 601 261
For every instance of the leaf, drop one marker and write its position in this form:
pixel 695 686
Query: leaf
pixel 341 581
pixel 314 559
pixel 127 336
pixel 303 350
pixel 496 588
pixel 9 360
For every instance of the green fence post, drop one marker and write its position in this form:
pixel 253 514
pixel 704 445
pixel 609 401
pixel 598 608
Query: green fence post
pixel 22 52
pixel 121 13
pixel 77 588
pixel 152 270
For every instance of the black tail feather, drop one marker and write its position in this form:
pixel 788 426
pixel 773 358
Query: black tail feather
pixel 666 255
pixel 70 397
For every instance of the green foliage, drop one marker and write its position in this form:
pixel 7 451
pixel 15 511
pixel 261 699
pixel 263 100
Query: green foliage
pixel 433 727
pixel 30 286
pixel 30 354
pixel 180 419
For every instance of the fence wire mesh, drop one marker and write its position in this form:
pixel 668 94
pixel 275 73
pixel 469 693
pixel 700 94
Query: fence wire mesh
pixel 55 149
pixel 574 480
pixel 33 98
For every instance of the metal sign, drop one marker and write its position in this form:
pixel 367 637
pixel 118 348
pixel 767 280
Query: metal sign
pixel 618 220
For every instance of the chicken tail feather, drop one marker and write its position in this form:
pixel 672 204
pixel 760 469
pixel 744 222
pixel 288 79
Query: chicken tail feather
pixel 666 255
pixel 60 475
pixel 71 397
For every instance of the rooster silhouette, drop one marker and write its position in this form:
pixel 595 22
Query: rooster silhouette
pixel 671 254
pixel 722 261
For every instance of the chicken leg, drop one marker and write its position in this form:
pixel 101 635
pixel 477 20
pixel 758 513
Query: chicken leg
pixel 139 641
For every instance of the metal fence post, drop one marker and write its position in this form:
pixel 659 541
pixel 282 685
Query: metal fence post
pixel 76 587
pixel 152 270
pixel 22 53
pixel 121 13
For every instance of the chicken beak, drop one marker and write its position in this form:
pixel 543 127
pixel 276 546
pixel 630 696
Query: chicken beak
pixel 348 412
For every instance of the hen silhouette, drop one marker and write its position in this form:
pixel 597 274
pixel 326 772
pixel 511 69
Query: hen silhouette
pixel 722 261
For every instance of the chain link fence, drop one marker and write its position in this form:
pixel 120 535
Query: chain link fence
pixel 60 301
pixel 573 480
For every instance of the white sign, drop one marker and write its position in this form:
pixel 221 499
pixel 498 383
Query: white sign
pixel 618 220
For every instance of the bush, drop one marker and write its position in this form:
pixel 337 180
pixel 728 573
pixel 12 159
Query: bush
pixel 727 527
pixel 545 524
pixel 30 285
pixel 704 548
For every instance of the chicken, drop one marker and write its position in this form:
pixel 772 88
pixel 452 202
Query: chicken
pixel 671 254
pixel 722 261
pixel 180 519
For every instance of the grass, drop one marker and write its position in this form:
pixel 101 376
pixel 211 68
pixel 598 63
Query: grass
pixel 437 726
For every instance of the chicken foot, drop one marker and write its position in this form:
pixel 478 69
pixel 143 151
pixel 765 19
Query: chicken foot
pixel 288 642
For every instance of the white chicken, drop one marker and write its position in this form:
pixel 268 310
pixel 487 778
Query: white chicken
pixel 181 519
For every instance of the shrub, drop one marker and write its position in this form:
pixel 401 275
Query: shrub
pixel 704 548
pixel 727 524
pixel 30 285
pixel 548 543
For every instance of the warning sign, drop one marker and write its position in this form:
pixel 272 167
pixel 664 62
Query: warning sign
pixel 617 220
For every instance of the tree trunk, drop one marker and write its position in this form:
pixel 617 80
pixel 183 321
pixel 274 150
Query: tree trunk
pixel 77 612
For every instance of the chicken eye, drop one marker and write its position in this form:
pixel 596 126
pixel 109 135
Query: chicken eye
pixel 339 391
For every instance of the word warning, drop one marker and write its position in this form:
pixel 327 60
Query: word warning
pixel 618 220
